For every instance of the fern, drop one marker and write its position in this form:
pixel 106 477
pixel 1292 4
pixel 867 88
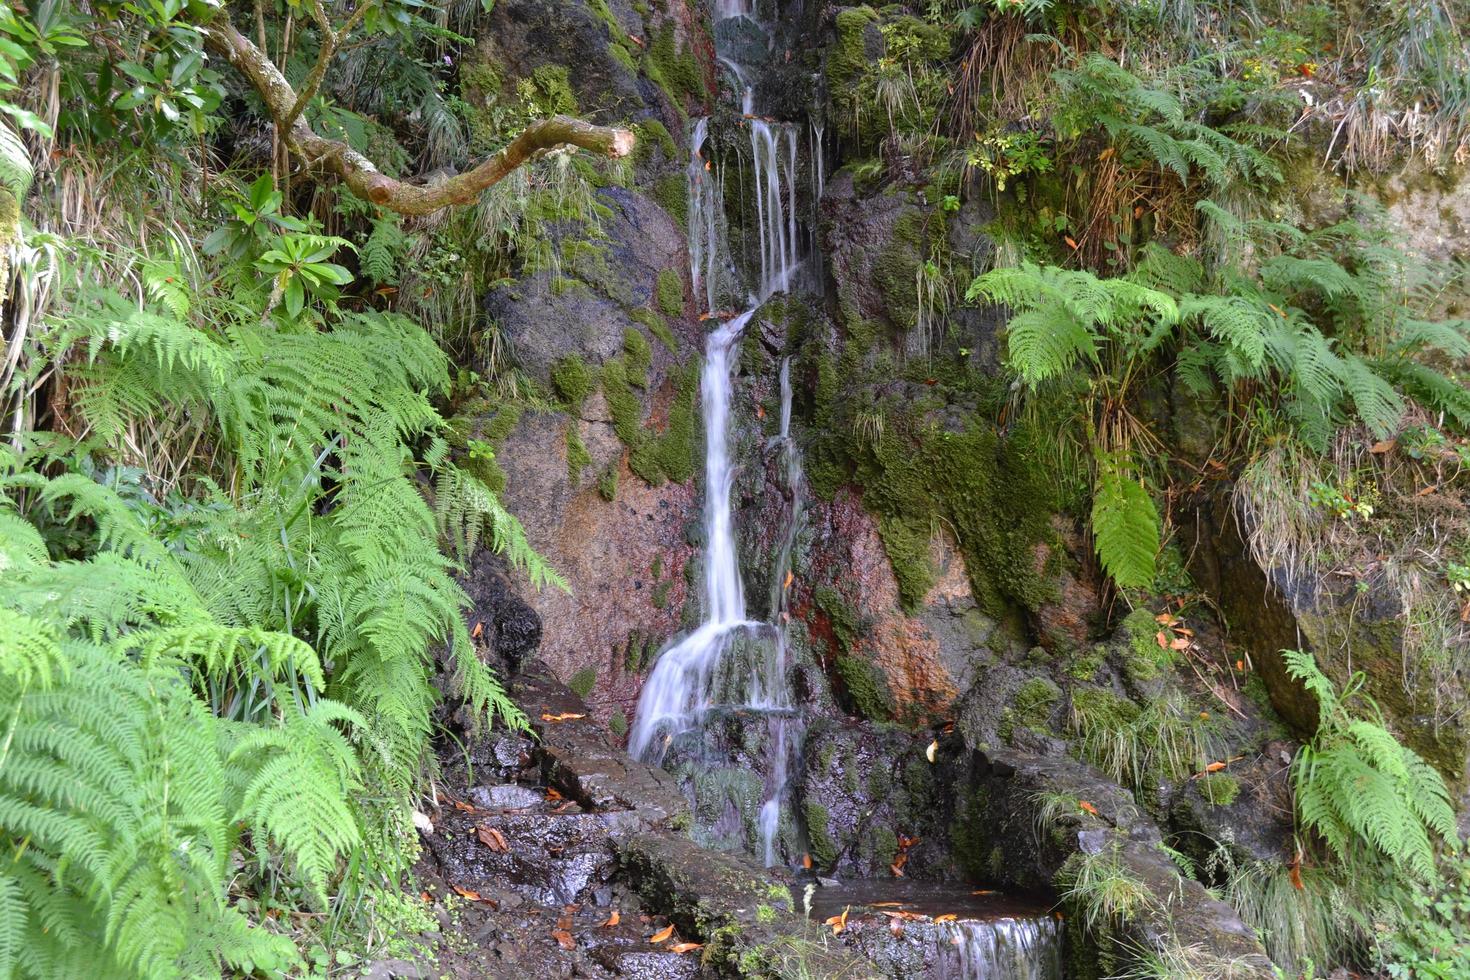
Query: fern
pixel 1362 791
pixel 383 253
pixel 16 170
pixel 1125 524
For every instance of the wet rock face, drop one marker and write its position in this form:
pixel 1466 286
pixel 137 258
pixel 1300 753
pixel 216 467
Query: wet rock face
pixel 864 790
pixel 514 626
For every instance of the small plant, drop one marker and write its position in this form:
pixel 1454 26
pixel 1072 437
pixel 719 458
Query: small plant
pixel 1328 498
pixel 1458 576
pixel 1008 155
pixel 1101 890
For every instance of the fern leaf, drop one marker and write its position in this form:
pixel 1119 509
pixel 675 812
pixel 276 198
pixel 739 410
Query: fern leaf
pixel 15 161
pixel 1125 525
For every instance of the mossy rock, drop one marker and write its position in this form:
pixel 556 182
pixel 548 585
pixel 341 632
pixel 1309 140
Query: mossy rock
pixel 583 682
pixel 670 293
pixel 1219 788
pixel 865 689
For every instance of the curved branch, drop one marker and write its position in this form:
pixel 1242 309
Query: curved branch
pixel 368 182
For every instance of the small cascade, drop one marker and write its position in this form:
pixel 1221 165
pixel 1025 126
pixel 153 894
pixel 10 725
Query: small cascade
pixel 1000 949
pixel 947 932
pixel 775 211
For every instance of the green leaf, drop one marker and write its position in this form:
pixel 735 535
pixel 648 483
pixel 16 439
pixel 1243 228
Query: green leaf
pixel 1125 524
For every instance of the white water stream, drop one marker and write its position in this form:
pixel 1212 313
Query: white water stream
pixel 687 680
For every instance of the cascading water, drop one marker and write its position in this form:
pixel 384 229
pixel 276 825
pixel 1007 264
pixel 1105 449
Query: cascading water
pixel 697 674
pixel 1001 949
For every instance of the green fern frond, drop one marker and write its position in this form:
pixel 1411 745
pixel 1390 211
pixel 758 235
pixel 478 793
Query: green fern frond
pixel 1125 524
pixel 16 170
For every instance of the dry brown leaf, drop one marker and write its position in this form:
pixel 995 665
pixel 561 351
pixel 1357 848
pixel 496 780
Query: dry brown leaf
pixel 985 891
pixel 477 631
pixel 563 939
pixel 426 896
pixel 611 920
pixel 886 905
pixel 1381 447
pixel 1179 643
pixel 946 917
pixel 932 751
pixel 662 935
pixel 492 839
pixel 790 577
pixel 1071 242
pixel 552 794
pixel 466 807
pixel 1166 619
pixel 806 861
pixel 1161 640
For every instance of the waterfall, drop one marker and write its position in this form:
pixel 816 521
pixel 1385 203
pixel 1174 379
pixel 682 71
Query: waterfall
pixel 692 676
pixel 1000 949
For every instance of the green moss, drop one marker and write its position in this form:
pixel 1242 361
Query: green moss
pixel 640 356
pixel 849 56
pixel 1034 701
pixel 501 426
pixel 654 135
pixel 884 845
pixel 578 458
pixel 554 90
pixel 627 413
pixel 865 688
pixel 671 192
pixel 592 263
pixel 1144 659
pixel 818 823
pixel 660 597
pixel 670 293
pixel 895 268
pixel 1085 665
pixel 676 72
pixel 583 681
pixel 657 326
pixel 766 914
pixel 618 723
pixel 607 482
pixel 1219 788
pixel 624 57
pixel 846 626
pixel 573 381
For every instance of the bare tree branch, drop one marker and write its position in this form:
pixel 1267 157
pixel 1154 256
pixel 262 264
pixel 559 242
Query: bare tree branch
pixel 363 178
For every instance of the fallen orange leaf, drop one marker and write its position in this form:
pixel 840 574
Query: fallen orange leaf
pixel 563 939
pixel 1105 154
pixel 563 716
pixel 1165 619
pixel 790 577
pixel 946 917
pixel 886 905
pixel 611 921
pixel 1088 807
pixel 477 631
pixel 1214 767
pixel 466 893
pixel 806 861
pixel 426 896
pixel 1240 665
pixel 1161 640
pixel 662 935
pixel 1071 242
pixel 985 891
pixel 492 839
pixel 552 794
pixel 1179 643
pixel 685 947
